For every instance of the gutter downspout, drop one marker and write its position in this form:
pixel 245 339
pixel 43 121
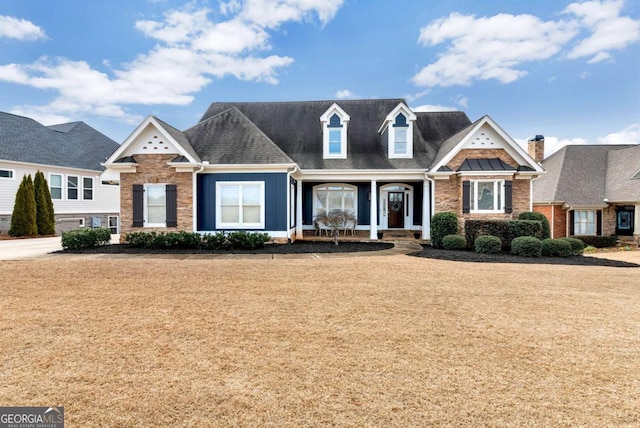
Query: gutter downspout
pixel 194 194
pixel 289 174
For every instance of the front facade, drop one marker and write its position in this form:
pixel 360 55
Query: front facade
pixel 591 190
pixel 276 167
pixel 69 156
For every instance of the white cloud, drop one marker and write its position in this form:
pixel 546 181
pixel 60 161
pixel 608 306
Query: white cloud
pixel 629 135
pixel 191 51
pixel 497 47
pixel 584 75
pixel 344 94
pixel 553 144
pixel 428 108
pixel 19 29
pixel 462 101
pixel 608 29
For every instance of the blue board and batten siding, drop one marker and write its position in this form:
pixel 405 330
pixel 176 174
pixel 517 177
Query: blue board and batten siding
pixel 275 198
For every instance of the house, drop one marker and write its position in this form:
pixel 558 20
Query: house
pixel 69 155
pixel 274 166
pixel 589 189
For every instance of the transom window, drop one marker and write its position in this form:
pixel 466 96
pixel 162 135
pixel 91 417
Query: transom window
pixel 240 205
pixel 584 222
pixel 331 197
pixel 72 187
pixel 487 196
pixel 87 188
pixel 55 186
pixel 155 205
pixel 6 173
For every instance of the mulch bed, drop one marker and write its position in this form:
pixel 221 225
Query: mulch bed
pixel 472 256
pixel 298 247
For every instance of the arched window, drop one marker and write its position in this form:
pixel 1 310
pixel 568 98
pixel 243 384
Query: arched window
pixel 331 197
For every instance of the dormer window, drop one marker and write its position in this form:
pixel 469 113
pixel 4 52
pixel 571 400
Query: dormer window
pixel 334 126
pixel 399 126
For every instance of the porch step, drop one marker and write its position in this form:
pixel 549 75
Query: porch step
pixel 401 235
pixel 624 241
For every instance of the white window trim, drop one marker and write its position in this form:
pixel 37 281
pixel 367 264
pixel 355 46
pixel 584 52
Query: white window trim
pixel 62 186
pixel 146 211
pixel 241 225
pixel 344 121
pixel 117 222
pixel 392 140
pixel 93 188
pixel 474 196
pixel 12 171
pixel 344 185
pixel 77 198
pixel 595 223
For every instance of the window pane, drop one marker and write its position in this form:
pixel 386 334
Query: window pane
pixel 156 214
pixel 485 195
pixel 6 173
pixel 335 141
pixel 230 214
pixel 335 201
pixel 251 195
pixel 251 214
pixel 349 201
pixel 55 180
pixel 56 193
pixel 87 194
pixel 155 195
pixel 72 181
pixel 401 135
pixel 229 195
pixel 72 187
pixel 87 183
pixel 401 148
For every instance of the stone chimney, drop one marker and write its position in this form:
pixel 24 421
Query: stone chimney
pixel 536 148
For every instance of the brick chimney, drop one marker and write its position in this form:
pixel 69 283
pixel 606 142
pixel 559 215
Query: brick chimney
pixel 536 148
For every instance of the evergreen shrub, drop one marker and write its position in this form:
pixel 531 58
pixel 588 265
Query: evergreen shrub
pixel 23 218
pixel 530 215
pixel 454 242
pixel 488 244
pixel 79 239
pixel 556 248
pixel 577 246
pixel 443 224
pixel 526 246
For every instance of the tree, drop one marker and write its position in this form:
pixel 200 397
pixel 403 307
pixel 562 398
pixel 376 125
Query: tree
pixel 337 220
pixel 23 219
pixel 45 218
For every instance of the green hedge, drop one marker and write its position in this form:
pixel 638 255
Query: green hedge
pixel 506 230
pixel 577 246
pixel 526 246
pixel 443 224
pixel 454 242
pixel 193 240
pixel 556 248
pixel 598 241
pixel 530 215
pixel 79 239
pixel 488 244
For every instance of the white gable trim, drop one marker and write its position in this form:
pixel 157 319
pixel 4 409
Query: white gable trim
pixel 512 148
pixel 131 140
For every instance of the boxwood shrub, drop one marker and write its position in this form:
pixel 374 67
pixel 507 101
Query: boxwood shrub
pixel 526 246
pixel 530 215
pixel 506 230
pixel 192 240
pixel 577 246
pixel 79 239
pixel 488 244
pixel 454 242
pixel 556 248
pixel 443 224
pixel 598 241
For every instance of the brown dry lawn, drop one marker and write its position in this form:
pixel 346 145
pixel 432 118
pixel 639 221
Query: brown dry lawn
pixel 370 341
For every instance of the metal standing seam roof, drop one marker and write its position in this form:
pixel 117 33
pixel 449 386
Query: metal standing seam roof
pixel 73 145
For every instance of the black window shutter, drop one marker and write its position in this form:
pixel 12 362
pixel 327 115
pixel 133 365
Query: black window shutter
pixel 572 226
pixel 138 205
pixel 466 196
pixel 172 205
pixel 599 222
pixel 508 196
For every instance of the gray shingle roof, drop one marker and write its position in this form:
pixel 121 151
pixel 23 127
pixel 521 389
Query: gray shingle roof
pixel 74 145
pixel 576 175
pixel 623 175
pixel 180 137
pixel 295 128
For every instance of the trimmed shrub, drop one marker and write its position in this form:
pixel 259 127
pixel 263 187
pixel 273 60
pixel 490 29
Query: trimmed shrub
pixel 454 242
pixel 598 241
pixel 488 244
pixel 23 218
pixel 506 230
pixel 530 215
pixel 45 217
pixel 193 240
pixel 526 246
pixel 556 248
pixel 577 246
pixel 443 224
pixel 589 249
pixel 79 239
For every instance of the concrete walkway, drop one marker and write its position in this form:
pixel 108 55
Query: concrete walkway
pixel 38 248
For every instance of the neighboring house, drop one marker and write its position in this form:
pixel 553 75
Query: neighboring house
pixel 274 166
pixel 590 190
pixel 69 155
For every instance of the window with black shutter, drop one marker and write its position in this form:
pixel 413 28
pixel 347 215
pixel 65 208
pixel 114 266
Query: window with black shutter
pixel 172 205
pixel 508 197
pixel 466 196
pixel 138 205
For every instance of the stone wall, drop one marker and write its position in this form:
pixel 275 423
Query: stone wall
pixel 154 169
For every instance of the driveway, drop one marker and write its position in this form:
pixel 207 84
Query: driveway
pixel 24 249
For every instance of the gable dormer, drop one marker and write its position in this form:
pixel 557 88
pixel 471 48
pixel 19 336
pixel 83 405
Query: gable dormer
pixel 335 122
pixel 399 125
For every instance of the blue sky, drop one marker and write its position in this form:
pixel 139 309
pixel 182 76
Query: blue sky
pixel 567 69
